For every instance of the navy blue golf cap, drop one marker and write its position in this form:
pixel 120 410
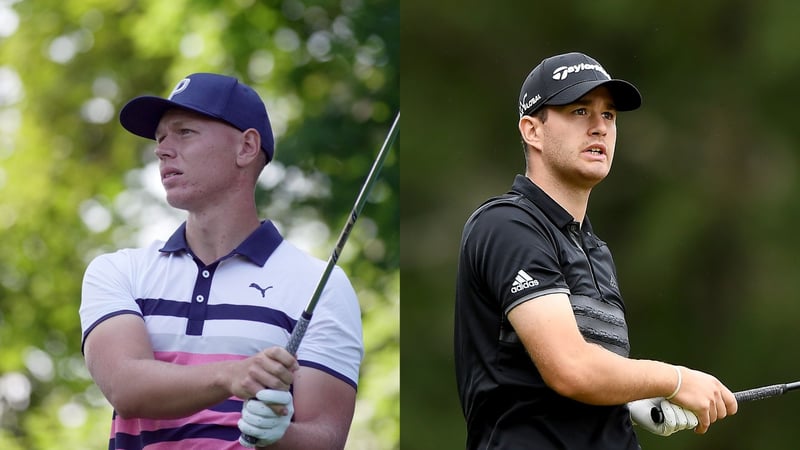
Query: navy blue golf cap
pixel 563 79
pixel 217 96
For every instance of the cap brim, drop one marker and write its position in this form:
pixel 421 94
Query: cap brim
pixel 625 95
pixel 141 115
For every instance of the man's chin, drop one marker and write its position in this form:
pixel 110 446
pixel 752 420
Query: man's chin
pixel 178 202
pixel 597 174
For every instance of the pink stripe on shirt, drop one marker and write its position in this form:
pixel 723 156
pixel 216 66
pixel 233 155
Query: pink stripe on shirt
pixel 189 359
pixel 196 444
pixel 136 426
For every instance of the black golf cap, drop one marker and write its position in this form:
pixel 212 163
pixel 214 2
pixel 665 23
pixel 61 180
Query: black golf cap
pixel 562 79
pixel 216 96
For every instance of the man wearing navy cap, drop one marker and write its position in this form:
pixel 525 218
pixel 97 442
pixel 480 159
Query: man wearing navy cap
pixel 541 339
pixel 179 334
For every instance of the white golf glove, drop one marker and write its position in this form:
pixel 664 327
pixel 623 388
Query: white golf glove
pixel 647 413
pixel 261 422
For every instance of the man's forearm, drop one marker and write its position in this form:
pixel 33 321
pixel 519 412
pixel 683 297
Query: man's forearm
pixel 606 378
pixel 311 436
pixel 159 390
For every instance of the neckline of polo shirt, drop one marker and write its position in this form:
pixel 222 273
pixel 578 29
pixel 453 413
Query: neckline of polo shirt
pixel 257 247
pixel 176 242
pixel 558 215
pixel 260 244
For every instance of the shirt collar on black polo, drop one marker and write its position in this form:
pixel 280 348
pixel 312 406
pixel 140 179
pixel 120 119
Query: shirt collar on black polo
pixel 257 247
pixel 558 215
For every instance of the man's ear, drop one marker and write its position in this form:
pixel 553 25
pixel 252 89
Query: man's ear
pixel 530 130
pixel 250 148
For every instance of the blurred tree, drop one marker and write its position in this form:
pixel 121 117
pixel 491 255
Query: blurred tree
pixel 699 208
pixel 74 184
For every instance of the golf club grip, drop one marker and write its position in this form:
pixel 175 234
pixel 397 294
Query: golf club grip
pixel 298 333
pixel 749 395
pixel 760 393
pixel 248 441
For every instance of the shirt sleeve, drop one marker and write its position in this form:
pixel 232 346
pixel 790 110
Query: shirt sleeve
pixel 106 291
pixel 333 342
pixel 516 255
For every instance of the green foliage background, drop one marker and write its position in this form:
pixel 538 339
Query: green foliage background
pixel 700 208
pixel 74 184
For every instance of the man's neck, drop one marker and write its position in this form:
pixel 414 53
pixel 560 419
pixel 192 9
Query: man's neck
pixel 214 234
pixel 573 199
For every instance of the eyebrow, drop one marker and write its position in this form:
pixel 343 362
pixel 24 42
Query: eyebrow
pixel 172 123
pixel 586 102
pixel 181 119
pixel 178 122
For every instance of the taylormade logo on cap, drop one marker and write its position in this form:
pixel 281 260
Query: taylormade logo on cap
pixel 563 72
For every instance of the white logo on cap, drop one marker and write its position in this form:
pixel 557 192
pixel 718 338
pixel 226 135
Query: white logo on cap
pixel 563 72
pixel 180 87
pixel 525 104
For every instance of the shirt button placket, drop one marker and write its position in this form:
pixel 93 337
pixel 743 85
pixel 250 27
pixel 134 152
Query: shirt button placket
pixel 198 308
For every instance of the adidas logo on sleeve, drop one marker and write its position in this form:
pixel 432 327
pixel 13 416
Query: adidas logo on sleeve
pixel 523 281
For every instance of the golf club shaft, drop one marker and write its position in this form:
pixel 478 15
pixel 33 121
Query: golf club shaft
pixel 765 392
pixel 302 323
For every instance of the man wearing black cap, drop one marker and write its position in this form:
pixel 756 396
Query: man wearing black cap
pixel 541 340
pixel 179 334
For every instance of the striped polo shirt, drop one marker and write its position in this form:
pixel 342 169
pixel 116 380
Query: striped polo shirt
pixel 228 310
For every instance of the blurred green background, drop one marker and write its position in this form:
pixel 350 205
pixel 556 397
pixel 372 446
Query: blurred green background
pixel 74 184
pixel 700 209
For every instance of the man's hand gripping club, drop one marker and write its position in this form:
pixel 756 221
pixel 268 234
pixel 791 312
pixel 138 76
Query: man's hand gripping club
pixel 260 420
pixel 673 418
pixel 267 416
pixel 704 400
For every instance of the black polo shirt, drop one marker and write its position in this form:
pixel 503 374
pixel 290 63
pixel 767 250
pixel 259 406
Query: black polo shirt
pixel 515 248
